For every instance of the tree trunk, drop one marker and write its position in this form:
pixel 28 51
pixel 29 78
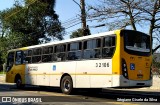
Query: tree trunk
pixel 152 24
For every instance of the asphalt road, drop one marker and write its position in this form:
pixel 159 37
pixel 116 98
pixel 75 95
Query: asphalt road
pixel 53 96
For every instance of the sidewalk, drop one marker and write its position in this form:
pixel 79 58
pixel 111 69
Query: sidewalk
pixel 2 78
pixel 156 82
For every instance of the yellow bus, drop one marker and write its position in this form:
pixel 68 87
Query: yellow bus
pixel 120 58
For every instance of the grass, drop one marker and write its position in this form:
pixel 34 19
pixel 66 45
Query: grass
pixel 1 72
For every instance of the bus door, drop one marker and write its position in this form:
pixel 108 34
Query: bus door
pixel 10 67
pixel 20 65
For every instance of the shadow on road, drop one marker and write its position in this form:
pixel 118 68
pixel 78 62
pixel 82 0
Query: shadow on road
pixel 105 93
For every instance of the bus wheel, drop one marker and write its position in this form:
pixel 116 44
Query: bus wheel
pixel 66 85
pixel 19 83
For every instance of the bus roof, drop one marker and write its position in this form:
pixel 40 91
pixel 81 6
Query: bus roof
pixel 68 40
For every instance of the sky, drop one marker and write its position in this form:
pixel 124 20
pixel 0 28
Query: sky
pixel 6 4
pixel 68 12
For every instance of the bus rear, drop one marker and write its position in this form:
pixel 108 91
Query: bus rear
pixel 135 59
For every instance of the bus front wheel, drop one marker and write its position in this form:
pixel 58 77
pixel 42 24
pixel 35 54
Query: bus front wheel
pixel 19 83
pixel 66 85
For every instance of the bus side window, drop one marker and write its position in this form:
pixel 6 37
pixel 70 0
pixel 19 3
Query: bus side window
pixel 36 58
pixel 108 46
pixel 92 48
pixel 28 56
pixel 19 58
pixel 47 54
pixel 59 52
pixel 10 61
pixel 97 48
pixel 74 51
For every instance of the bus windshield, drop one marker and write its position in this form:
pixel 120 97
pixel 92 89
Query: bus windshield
pixel 136 42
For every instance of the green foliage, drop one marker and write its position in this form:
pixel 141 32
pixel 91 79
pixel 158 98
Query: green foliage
pixel 36 20
pixel 28 22
pixel 1 62
pixel 1 72
pixel 77 33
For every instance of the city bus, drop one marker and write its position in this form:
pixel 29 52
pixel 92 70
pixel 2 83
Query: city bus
pixel 119 58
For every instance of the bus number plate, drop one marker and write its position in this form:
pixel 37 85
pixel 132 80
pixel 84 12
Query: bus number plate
pixel 102 64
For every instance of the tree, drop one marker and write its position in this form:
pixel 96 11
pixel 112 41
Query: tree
pixel 79 33
pixel 34 23
pixel 155 65
pixel 128 13
pixel 29 22
pixel 1 62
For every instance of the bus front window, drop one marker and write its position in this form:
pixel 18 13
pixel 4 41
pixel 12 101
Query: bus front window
pixel 136 43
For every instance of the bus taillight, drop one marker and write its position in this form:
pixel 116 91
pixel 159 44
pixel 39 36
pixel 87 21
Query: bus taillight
pixel 124 69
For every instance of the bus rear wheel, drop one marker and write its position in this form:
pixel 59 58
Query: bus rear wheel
pixel 66 85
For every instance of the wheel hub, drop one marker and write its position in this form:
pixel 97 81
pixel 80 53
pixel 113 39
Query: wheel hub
pixel 66 85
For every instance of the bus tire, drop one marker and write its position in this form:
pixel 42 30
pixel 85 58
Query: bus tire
pixel 66 85
pixel 19 84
